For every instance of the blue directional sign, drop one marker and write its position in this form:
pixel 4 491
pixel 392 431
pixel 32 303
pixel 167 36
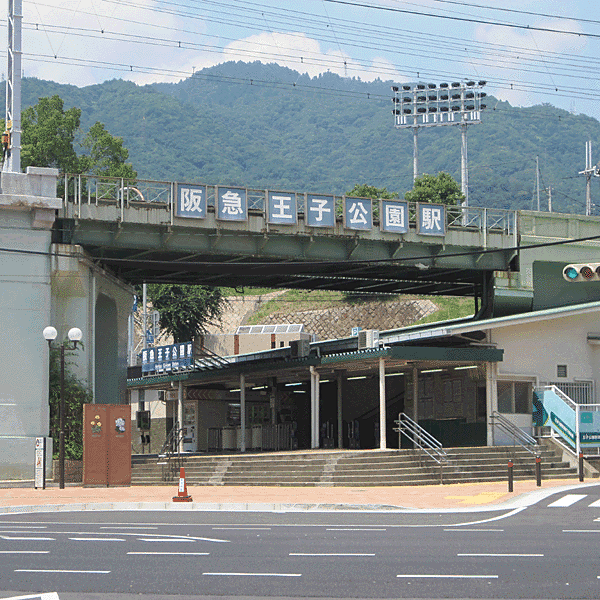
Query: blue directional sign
pixel 431 219
pixel 232 204
pixel 191 201
pixel 358 213
pixel 394 216
pixel 281 208
pixel 320 211
pixel 167 358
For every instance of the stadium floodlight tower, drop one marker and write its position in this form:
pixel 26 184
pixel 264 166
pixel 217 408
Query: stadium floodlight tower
pixel 431 105
pixel 11 138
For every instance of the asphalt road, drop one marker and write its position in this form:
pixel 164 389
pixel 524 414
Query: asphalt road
pixel 549 550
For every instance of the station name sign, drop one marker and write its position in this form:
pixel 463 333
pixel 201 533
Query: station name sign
pixel 164 359
pixel 319 210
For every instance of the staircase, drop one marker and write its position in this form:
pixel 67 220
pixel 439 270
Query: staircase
pixel 358 468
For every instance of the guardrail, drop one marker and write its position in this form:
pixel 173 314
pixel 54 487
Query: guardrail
pixel 79 190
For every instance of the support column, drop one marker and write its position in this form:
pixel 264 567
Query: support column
pixel 243 412
pixel 382 407
pixel 491 400
pixel 415 153
pixel 180 415
pixel 415 378
pixel 340 423
pixel 314 407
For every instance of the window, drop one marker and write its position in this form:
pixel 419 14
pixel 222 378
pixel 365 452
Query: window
pixel 561 370
pixel 514 397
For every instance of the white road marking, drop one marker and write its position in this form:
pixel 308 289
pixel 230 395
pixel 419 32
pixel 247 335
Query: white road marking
pixel 36 539
pixel 417 576
pixel 173 553
pixel 124 527
pixel 55 571
pixel 595 504
pixel 256 574
pixel 39 596
pixel 243 528
pixel 24 551
pixel 498 554
pixel 353 529
pixel 23 526
pixel 165 540
pixel 84 533
pixel 330 554
pixel 567 500
pixel 77 539
pixel 581 530
pixel 478 529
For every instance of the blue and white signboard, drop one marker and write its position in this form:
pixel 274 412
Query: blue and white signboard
pixel 431 219
pixel 549 410
pixel 232 204
pixel 191 201
pixel 358 213
pixel 163 359
pixel 320 211
pixel 394 216
pixel 281 208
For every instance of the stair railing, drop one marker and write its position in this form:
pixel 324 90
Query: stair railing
pixel 170 455
pixel 519 437
pixel 423 440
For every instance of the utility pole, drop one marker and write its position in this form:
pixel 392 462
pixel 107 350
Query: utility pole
pixel 537 181
pixel 11 140
pixel 589 171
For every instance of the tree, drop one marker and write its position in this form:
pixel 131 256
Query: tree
pixel 363 190
pixel 439 189
pixel 106 154
pixel 186 310
pixel 76 395
pixel 48 133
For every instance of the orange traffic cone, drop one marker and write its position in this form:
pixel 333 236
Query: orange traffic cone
pixel 182 493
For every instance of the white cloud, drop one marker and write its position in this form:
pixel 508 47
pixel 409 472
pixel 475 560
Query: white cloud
pixel 521 58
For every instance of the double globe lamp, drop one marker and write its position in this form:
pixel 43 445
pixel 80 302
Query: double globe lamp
pixel 75 336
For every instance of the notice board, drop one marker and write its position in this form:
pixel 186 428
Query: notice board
pixel 106 444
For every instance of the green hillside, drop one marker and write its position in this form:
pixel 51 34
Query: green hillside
pixel 266 126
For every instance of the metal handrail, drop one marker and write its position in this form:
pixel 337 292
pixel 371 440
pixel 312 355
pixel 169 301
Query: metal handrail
pixel 172 449
pixel 421 438
pixel 519 436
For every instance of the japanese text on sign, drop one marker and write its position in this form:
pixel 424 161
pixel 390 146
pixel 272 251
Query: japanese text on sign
pixel 320 211
pixel 394 216
pixel 431 219
pixel 281 208
pixel 357 213
pixel 167 358
pixel 232 204
pixel 191 201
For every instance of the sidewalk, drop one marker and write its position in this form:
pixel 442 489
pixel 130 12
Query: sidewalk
pixel 432 497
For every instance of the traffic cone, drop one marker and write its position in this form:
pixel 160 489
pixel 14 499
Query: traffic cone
pixel 182 493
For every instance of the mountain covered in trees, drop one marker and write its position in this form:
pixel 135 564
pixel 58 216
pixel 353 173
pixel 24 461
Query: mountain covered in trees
pixel 266 126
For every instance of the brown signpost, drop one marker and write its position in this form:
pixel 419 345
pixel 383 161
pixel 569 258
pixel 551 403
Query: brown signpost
pixel 106 444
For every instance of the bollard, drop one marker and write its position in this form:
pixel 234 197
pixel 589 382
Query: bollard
pixel 580 466
pixel 538 471
pixel 182 493
pixel 510 475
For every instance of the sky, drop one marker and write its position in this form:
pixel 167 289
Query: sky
pixel 529 51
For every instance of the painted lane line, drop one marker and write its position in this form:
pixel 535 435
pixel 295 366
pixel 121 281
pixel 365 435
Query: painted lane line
pixel 581 530
pixel 242 528
pixel 23 526
pixel 56 571
pixel 499 554
pixel 475 530
pixel 165 540
pixel 77 539
pixel 172 553
pixel 594 504
pixel 330 554
pixel 156 535
pixel 36 539
pixel 124 527
pixel 256 574
pixel 567 500
pixel 353 529
pixel 24 551
pixel 417 576
pixel 39 596
pixel 510 513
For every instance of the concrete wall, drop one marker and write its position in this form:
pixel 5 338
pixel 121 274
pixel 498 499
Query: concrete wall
pixel 27 209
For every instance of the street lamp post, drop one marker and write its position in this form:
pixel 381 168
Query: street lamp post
pixel 75 336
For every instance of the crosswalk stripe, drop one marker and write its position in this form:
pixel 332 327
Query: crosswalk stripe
pixel 567 500
pixel 595 504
